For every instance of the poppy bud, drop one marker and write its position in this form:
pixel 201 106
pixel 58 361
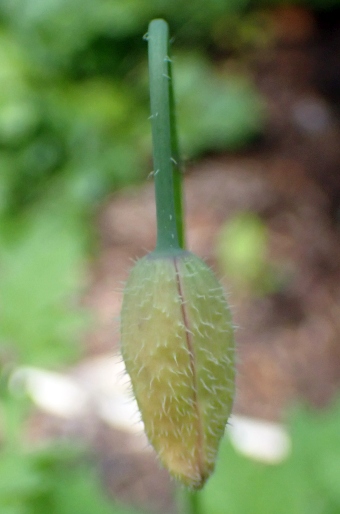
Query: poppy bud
pixel 178 347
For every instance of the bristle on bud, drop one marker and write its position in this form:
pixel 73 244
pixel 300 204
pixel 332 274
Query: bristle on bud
pixel 178 347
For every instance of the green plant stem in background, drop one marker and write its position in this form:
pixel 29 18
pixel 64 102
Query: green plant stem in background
pixel 192 502
pixel 167 175
pixel 177 174
pixel 188 501
pixel 170 233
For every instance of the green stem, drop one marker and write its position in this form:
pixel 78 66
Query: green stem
pixel 165 148
pixel 167 174
pixel 193 503
pixel 177 172
pixel 188 502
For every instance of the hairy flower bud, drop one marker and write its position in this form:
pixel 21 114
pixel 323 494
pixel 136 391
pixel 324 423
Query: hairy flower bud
pixel 177 344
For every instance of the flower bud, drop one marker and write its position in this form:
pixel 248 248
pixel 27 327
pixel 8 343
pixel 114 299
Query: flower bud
pixel 178 348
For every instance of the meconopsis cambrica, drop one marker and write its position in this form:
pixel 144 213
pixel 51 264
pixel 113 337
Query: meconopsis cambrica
pixel 178 346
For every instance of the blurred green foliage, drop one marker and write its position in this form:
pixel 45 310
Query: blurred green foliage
pixel 74 95
pixel 45 476
pixel 74 98
pixel 56 479
pixel 242 249
pixel 41 275
pixel 307 482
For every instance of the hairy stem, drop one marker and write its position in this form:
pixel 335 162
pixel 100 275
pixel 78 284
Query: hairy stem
pixel 167 174
pixel 164 138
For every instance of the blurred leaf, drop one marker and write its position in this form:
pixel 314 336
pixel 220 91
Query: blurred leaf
pixel 306 482
pixel 73 102
pixel 79 491
pixel 40 275
pixel 242 251
pixel 54 479
pixel 316 452
pixel 215 111
pixel 243 486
